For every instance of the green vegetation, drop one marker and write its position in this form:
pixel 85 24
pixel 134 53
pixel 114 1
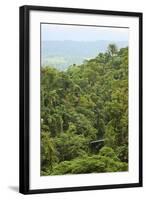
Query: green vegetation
pixel 84 116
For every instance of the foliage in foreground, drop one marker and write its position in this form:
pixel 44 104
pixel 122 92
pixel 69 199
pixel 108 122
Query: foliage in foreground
pixel 84 104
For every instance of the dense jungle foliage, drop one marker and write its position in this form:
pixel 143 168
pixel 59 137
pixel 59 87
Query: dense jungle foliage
pixel 84 116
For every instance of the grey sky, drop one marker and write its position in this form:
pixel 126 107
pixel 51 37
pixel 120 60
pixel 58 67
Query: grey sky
pixel 82 33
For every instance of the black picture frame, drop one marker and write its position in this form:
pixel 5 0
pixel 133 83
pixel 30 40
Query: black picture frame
pixel 25 104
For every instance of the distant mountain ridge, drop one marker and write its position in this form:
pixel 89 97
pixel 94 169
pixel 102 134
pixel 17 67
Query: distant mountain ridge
pixel 61 54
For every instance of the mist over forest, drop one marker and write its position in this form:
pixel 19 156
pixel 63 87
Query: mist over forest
pixel 62 54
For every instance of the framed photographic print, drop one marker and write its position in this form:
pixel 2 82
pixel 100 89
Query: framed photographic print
pixel 80 99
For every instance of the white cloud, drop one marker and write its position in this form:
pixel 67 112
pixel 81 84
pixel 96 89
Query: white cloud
pixel 83 33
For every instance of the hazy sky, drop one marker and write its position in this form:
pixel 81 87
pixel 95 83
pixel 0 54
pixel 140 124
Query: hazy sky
pixel 82 33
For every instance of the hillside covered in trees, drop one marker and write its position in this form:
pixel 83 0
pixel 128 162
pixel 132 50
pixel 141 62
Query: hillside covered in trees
pixel 84 116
